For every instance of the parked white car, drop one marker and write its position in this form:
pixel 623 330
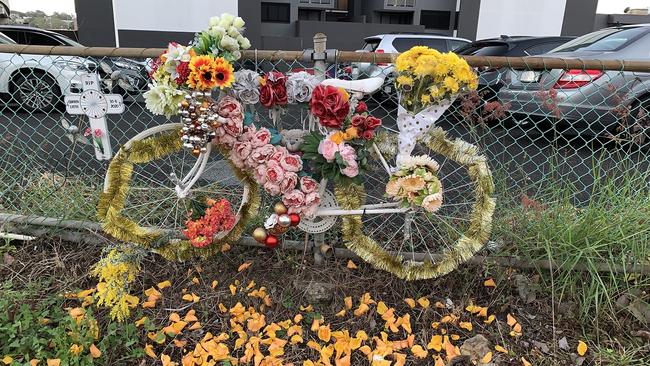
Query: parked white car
pixel 396 43
pixel 38 82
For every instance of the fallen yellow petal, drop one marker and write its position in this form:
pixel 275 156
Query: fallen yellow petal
pixel 489 283
pixel 54 362
pixel 435 343
pixel 351 265
pixel 419 352
pixel 148 350
pixel 424 302
pixel 487 358
pixel 466 325
pixel 34 362
pixel 94 351
pixel 214 284
pixel 324 333
pixel 490 319
pixel 410 302
pixel 582 348
pixel 500 349
pixel 195 326
pixel 525 362
pixel 511 320
pixel 348 302
pixel 7 360
pixel 244 266
pixel 340 314
pixel 164 284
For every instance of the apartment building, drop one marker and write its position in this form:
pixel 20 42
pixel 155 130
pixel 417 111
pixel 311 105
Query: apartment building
pixel 291 24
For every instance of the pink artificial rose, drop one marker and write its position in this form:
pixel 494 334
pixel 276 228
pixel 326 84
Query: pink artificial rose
pixel 289 183
pixel 294 199
pixel 249 132
pixel 272 188
pixel 224 138
pixel 274 173
pixel 228 107
pixel 308 185
pixel 233 127
pixel 352 170
pixel 291 163
pixel 279 154
pixel 312 198
pixel 347 153
pixel 328 149
pixel 308 211
pixel 260 174
pixel 242 150
pixel 260 155
pixel 262 137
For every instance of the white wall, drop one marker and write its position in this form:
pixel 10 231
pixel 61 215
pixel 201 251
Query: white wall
pixel 169 15
pixel 520 18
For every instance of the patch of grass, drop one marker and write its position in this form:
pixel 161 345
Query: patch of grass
pixel 628 353
pixel 33 328
pixel 589 246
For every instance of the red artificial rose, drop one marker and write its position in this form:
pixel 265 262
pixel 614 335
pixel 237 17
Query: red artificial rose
pixel 266 95
pixel 280 94
pixel 358 120
pixel 368 134
pixel 329 105
pixel 361 107
pixel 372 123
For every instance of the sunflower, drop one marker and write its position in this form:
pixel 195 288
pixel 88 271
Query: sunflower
pixel 208 73
pixel 224 73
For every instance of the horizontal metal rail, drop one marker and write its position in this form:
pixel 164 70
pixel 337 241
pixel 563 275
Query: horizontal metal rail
pixel 530 63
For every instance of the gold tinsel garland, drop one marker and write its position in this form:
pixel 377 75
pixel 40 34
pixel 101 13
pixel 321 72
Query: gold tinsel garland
pixel 111 202
pixel 352 197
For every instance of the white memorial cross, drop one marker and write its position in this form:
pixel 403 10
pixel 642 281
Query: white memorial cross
pixel 96 105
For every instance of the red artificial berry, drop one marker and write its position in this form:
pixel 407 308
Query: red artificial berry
pixel 295 219
pixel 271 241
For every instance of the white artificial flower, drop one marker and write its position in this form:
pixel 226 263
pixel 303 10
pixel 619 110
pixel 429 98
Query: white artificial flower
pixel 170 66
pixel 413 162
pixel 239 22
pixel 177 52
pixel 433 202
pixel 226 20
pixel 216 31
pixel 271 222
pixel 214 21
pixel 229 44
pixel 244 42
pixel 162 99
pixel 233 32
pixel 236 55
pixel 300 86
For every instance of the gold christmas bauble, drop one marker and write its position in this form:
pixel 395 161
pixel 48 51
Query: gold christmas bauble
pixel 259 235
pixel 280 208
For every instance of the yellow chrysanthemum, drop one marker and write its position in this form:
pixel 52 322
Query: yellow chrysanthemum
pixel 451 84
pixel 403 80
pixel 425 99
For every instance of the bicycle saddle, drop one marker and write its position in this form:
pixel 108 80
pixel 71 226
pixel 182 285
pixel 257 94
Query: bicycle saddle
pixel 365 86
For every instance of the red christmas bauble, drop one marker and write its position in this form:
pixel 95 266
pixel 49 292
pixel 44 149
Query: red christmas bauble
pixel 271 241
pixel 295 219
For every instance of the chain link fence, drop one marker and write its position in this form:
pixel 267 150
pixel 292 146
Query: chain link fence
pixel 544 129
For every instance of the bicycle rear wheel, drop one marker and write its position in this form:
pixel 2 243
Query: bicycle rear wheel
pixel 143 201
pixel 417 244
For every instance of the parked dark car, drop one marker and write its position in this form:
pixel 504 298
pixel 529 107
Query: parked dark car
pixel 589 102
pixel 490 79
pixel 119 75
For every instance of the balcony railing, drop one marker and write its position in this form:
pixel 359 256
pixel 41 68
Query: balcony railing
pixel 400 3
pixel 317 2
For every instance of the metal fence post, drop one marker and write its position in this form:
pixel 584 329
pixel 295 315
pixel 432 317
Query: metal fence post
pixel 320 70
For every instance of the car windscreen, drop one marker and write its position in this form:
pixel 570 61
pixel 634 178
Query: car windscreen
pixel 70 41
pixel 610 39
pixel 371 44
pixel 484 49
pixel 6 40
pixel 406 43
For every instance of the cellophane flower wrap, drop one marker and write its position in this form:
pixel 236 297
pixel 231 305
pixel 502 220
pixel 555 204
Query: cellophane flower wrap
pixel 428 82
pixel 416 184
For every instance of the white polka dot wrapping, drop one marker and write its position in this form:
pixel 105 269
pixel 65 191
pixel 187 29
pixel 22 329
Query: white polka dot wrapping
pixel 414 126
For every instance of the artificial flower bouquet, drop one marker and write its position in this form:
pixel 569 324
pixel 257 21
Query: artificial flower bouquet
pixel 416 184
pixel 217 217
pixel 204 65
pixel 428 82
pixel 341 154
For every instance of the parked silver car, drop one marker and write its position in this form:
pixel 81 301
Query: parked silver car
pixel 589 102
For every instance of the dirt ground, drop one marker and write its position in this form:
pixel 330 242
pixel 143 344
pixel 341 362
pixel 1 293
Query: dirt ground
pixel 549 334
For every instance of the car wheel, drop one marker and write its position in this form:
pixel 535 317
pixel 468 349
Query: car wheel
pixel 36 91
pixel 634 129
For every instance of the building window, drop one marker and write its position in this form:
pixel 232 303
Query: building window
pixel 400 3
pixel 435 19
pixel 276 13
pixel 309 14
pixel 387 17
pixel 316 2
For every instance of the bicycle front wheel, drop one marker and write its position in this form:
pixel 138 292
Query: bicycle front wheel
pixel 148 193
pixel 412 243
